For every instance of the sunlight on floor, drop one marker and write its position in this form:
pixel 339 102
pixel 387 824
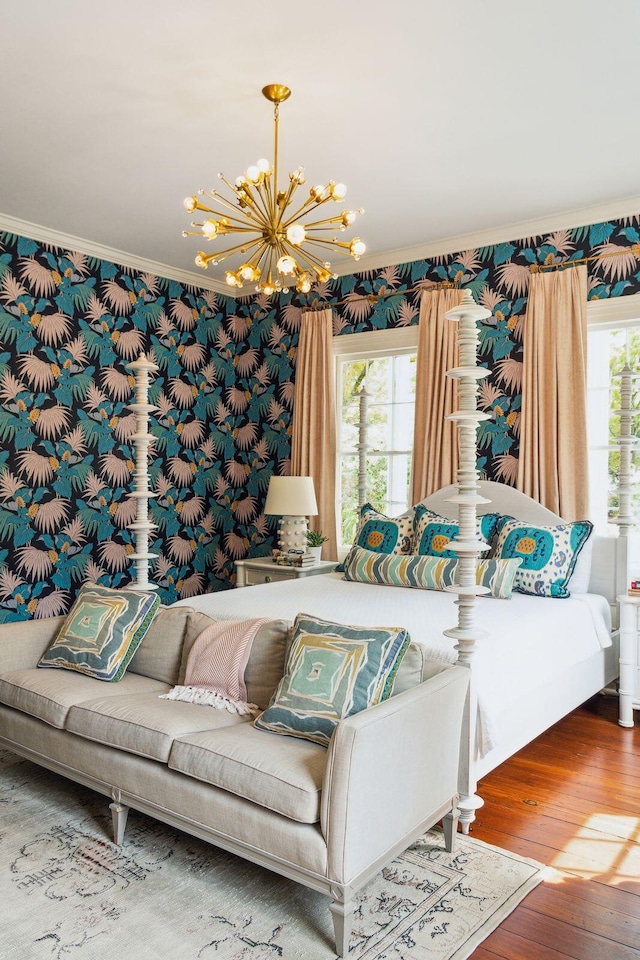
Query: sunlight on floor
pixel 605 848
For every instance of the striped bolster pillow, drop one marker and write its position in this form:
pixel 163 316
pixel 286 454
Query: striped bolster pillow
pixel 426 573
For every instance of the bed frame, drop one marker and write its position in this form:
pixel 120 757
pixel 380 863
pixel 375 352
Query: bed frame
pixel 465 500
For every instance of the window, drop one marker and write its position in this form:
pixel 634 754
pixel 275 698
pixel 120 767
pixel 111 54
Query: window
pixel 610 347
pixel 384 364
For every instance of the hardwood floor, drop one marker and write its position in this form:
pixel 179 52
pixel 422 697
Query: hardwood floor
pixel 571 799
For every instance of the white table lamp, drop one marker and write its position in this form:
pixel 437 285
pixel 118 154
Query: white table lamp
pixel 293 499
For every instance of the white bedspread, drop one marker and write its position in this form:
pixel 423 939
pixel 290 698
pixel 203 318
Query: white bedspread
pixel 529 642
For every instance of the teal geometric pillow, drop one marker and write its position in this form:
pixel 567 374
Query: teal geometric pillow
pixel 548 554
pixel 432 533
pixel 332 672
pixel 102 632
pixel 427 573
pixel 384 534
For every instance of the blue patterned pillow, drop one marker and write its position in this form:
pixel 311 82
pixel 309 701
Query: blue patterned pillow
pixel 548 554
pixel 383 534
pixel 102 631
pixel 427 573
pixel 432 533
pixel 332 672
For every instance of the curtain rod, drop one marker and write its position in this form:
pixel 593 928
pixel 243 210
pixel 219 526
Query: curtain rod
pixel 373 297
pixel 539 267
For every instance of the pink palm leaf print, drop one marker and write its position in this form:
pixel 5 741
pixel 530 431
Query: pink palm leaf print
pixel 53 328
pixel 39 278
pixel 183 315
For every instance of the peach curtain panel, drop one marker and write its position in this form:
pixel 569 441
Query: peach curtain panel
pixel 313 441
pixel 553 442
pixel 435 444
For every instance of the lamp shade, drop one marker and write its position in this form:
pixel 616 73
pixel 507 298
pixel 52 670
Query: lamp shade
pixel 291 496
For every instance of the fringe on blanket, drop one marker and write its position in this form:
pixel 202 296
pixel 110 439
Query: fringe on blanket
pixel 209 698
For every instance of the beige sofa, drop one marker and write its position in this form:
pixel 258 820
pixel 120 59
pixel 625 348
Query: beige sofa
pixel 329 819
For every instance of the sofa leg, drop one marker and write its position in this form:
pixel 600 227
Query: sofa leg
pixel 450 829
pixel 342 913
pixel 119 814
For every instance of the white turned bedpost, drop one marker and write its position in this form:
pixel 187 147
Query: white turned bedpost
pixel 467 545
pixel 626 441
pixel 362 446
pixel 142 525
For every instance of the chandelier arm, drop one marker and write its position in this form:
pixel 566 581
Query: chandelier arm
pixel 332 244
pixel 217 197
pixel 262 208
pixel 251 210
pixel 321 224
pixel 268 201
pixel 314 262
pixel 242 247
pixel 291 189
pixel 301 210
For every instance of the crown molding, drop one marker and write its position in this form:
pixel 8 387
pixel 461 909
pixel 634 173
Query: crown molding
pixel 42 234
pixel 611 210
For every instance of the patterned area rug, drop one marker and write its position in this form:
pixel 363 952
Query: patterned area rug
pixel 66 891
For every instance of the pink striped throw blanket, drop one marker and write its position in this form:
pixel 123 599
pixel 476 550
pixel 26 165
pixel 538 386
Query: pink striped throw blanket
pixel 215 667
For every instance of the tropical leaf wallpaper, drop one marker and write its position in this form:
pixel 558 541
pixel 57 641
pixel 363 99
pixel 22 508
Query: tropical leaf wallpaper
pixel 70 324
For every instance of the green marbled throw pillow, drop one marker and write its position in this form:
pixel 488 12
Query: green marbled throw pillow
pixel 332 672
pixel 102 631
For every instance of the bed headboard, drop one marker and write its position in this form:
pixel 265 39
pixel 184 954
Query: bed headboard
pixel 609 564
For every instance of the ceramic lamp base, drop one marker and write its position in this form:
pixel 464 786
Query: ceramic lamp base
pixel 292 533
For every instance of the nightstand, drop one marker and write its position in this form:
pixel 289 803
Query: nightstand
pixel 629 692
pixel 251 572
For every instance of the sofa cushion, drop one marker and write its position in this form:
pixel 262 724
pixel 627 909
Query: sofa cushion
pixel 102 631
pixel 49 694
pixel 279 773
pixel 266 661
pixel 332 672
pixel 142 723
pixel 159 655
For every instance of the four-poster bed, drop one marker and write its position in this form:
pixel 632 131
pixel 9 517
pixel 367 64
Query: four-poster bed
pixel 532 660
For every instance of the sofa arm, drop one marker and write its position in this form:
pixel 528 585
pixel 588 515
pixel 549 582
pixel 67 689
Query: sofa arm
pixel 22 643
pixel 388 769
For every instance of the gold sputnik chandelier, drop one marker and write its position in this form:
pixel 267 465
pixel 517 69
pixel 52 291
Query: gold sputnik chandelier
pixel 279 250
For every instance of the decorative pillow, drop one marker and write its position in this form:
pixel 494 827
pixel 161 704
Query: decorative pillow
pixel 548 554
pixel 102 631
pixel 332 672
pixel 383 534
pixel 427 573
pixel 432 533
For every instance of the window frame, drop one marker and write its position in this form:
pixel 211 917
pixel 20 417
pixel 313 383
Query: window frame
pixel 364 346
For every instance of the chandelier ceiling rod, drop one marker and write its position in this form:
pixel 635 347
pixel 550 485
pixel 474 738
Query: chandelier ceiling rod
pixel 276 239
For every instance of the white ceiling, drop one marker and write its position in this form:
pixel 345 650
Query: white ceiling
pixel 443 118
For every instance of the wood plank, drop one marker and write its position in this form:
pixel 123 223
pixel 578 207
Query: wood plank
pixel 551 901
pixel 510 946
pixel 565 937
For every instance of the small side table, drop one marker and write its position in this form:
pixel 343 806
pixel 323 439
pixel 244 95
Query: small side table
pixel 251 572
pixel 629 692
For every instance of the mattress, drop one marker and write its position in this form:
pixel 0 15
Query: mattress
pixel 525 643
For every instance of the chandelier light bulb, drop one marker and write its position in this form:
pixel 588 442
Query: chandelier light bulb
pixel 247 272
pixel 263 166
pixel 253 174
pixel 296 234
pixel 304 283
pixel 348 217
pixel 210 229
pixel 201 259
pixel 316 192
pixel 357 248
pixel 286 264
pixel 338 191
pixel 190 204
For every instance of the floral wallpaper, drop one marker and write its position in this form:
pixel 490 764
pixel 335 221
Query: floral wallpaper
pixel 70 324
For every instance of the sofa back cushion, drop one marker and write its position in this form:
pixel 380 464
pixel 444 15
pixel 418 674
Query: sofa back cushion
pixel 160 654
